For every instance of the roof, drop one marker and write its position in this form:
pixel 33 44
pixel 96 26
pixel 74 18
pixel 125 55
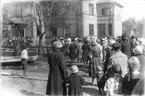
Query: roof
pixel 114 3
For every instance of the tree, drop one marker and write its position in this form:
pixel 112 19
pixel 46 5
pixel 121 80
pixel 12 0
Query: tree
pixel 52 14
pixel 132 25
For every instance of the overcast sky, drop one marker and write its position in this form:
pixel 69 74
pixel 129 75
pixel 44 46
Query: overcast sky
pixel 132 8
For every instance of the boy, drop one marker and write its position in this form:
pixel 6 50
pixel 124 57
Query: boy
pixel 24 58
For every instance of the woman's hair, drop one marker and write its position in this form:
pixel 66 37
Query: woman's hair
pixel 115 71
pixel 133 63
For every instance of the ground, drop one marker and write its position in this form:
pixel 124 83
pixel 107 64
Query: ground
pixel 35 84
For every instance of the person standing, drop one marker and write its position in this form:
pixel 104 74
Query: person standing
pixel 57 71
pixel 95 66
pixel 75 82
pixel 113 84
pixel 126 46
pixel 73 51
pixel 119 58
pixel 138 52
pixel 86 51
pixel 24 57
pixel 80 51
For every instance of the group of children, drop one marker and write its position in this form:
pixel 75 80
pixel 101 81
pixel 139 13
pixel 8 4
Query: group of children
pixel 111 83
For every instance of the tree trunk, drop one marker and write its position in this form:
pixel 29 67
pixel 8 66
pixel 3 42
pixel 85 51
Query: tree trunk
pixel 40 48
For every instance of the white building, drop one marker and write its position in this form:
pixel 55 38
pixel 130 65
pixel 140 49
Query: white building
pixel 89 22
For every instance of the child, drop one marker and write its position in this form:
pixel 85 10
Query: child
pixel 131 78
pixel 113 84
pixel 75 82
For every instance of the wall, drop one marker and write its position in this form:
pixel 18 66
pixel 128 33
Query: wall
pixel 89 19
pixel 117 21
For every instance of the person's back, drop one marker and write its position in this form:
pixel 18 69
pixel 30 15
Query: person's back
pixel 73 47
pixel 57 71
pixel 121 59
pixel 130 82
pixel 131 78
pixel 75 82
pixel 75 85
pixel 126 47
pixel 139 88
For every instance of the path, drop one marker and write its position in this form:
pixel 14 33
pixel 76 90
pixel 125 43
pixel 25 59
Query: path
pixel 35 84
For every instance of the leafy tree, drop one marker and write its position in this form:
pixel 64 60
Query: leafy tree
pixel 132 24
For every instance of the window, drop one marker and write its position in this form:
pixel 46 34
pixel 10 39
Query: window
pixel 101 30
pixel 106 11
pixel 110 29
pixel 91 9
pixel 91 29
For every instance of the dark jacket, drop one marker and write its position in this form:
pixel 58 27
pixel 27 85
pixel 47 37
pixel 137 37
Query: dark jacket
pixel 129 82
pixel 75 84
pixel 86 50
pixel 73 51
pixel 139 88
pixel 57 73
pixel 126 48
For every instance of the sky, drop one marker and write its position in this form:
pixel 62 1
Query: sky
pixel 132 8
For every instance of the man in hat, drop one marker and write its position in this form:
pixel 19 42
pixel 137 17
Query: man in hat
pixel 57 71
pixel 119 58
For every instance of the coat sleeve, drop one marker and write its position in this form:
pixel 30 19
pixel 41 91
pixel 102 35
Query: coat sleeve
pixel 63 66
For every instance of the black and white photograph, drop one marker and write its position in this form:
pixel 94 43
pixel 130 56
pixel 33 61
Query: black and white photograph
pixel 72 47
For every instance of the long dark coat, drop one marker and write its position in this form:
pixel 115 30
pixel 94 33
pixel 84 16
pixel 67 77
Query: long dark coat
pixel 73 51
pixel 126 48
pixel 86 50
pixel 57 73
pixel 75 84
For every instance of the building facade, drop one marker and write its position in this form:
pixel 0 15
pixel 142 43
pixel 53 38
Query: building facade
pixel 109 19
pixel 87 18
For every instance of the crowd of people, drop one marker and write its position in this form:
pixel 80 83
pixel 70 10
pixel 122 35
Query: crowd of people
pixel 116 63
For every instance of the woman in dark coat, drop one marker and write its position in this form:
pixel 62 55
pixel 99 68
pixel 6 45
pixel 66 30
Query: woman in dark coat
pixel 57 71
pixel 86 51
pixel 73 52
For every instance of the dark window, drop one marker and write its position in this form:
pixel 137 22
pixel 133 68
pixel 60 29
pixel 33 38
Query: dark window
pixel 91 29
pixel 106 11
pixel 54 31
pixel 110 29
pixel 101 30
pixel 91 9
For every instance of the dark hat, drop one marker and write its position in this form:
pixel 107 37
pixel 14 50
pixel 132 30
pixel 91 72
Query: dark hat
pixel 125 37
pixel 116 46
pixel 115 68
